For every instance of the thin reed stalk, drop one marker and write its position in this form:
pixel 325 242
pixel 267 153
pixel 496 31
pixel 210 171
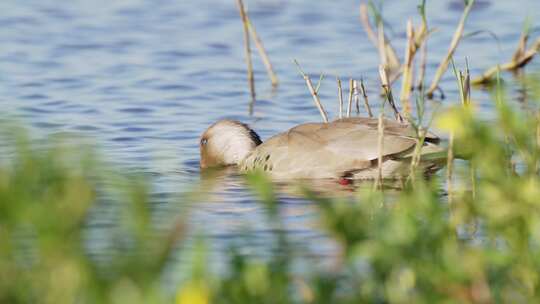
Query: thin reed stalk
pixel 247 48
pixel 388 93
pixel 380 147
pixel 443 66
pixel 422 66
pixel 262 51
pixel 423 32
pixel 313 92
pixel 356 97
pixel 383 54
pixel 407 81
pixel 366 101
pixel 421 136
pixel 340 97
pixel 421 42
pixel 522 44
pixel 390 56
pixel 351 92
pixel 467 83
pixel 364 19
pixel 321 77
pixel 464 83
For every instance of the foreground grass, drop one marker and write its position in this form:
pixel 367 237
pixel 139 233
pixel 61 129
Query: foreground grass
pixel 480 246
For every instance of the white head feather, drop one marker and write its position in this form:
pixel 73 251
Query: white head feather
pixel 227 142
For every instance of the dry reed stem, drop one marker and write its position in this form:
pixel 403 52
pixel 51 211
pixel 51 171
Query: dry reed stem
pixel 366 101
pixel 380 146
pixel 462 89
pixel 464 84
pixel 459 80
pixel 525 58
pixel 351 92
pixel 421 35
pixel 467 85
pixel 364 19
pixel 247 48
pixel 407 82
pixel 422 67
pixel 386 48
pixel 417 152
pixel 443 66
pixel 522 46
pixel 340 97
pixel 262 52
pixel 356 97
pixel 321 77
pixel 313 92
pixel 464 92
pixel 381 38
pixel 388 93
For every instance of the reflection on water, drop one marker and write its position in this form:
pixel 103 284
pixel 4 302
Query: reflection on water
pixel 144 78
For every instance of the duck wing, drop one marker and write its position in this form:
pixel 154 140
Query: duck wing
pixel 390 127
pixel 319 150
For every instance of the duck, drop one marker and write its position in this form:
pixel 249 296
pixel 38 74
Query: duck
pixel 346 148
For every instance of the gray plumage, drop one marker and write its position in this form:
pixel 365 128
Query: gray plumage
pixel 345 148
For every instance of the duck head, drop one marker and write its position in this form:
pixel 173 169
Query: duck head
pixel 227 142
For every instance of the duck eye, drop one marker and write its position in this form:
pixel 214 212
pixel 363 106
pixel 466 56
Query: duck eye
pixel 204 141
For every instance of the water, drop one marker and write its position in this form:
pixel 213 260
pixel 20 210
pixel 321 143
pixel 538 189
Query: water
pixel 142 79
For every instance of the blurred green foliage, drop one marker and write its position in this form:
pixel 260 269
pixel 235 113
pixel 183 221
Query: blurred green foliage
pixel 46 196
pixel 416 246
